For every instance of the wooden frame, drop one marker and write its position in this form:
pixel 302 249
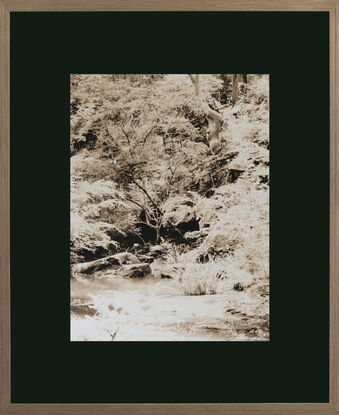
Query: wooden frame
pixel 7 6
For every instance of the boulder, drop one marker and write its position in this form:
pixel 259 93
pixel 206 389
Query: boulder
pixel 97 265
pixel 183 217
pixel 196 236
pixel 126 258
pixel 157 249
pixel 235 169
pixel 163 269
pixel 233 175
pixel 136 271
pixel 112 261
pixel 216 243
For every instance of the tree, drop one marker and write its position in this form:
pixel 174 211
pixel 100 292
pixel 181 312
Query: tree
pixel 135 172
pixel 235 86
pixel 152 212
pixel 139 169
pixel 213 117
pixel 150 170
pixel 140 191
pixel 243 78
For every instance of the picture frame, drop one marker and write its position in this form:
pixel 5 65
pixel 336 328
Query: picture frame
pixel 6 407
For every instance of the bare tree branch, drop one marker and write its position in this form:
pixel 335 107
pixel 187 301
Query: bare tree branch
pixel 145 138
pixel 148 224
pixel 146 193
pixel 192 79
pixel 126 135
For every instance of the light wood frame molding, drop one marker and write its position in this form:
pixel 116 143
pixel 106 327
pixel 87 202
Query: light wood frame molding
pixel 7 6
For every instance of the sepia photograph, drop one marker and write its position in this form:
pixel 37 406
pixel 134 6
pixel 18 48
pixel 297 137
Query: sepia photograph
pixel 169 199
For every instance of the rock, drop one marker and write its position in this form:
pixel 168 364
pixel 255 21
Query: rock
pixel 140 250
pixel 125 258
pixel 97 265
pixel 157 249
pixel 162 269
pixel 136 271
pixel 122 259
pixel 208 218
pixel 218 242
pixel 158 252
pixel 182 214
pixel 264 179
pixel 235 169
pixel 117 235
pixel 166 276
pixel 238 164
pixel 196 235
pixel 183 217
pixel 206 256
pixel 233 175
pixel 239 287
pixel 145 259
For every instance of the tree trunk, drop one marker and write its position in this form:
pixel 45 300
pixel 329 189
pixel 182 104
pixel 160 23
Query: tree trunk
pixel 235 94
pixel 235 87
pixel 226 91
pixel 157 230
pixel 213 118
pixel 243 78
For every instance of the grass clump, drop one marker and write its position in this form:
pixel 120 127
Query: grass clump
pixel 200 279
pixel 195 278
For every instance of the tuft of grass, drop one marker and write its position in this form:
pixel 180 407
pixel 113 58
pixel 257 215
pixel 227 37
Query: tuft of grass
pixel 196 278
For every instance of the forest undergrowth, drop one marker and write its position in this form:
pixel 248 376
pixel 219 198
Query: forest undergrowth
pixel 178 177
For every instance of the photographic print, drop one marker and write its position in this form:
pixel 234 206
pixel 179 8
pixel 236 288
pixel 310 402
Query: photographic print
pixel 169 207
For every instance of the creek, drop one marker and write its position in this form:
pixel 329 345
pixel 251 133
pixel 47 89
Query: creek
pixel 107 307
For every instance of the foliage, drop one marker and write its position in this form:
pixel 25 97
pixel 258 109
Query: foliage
pixel 141 160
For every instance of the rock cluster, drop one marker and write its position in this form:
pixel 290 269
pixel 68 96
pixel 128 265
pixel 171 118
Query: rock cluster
pixel 124 263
